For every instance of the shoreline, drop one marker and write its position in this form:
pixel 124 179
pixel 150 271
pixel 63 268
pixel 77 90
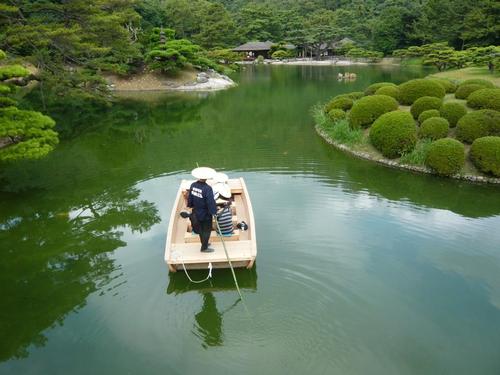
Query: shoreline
pixel 394 164
pixel 331 62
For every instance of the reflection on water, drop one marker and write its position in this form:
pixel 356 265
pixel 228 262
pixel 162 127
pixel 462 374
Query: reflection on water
pixel 209 322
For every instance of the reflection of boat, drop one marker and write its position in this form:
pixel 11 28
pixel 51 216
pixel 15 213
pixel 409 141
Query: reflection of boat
pixel 183 247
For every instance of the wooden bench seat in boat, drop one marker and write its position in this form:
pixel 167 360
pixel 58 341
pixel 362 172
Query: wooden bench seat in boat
pixel 190 237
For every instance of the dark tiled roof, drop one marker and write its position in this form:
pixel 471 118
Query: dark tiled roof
pixel 254 46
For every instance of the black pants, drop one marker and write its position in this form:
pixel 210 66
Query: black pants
pixel 205 229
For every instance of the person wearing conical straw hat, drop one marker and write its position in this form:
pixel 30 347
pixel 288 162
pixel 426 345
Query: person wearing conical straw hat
pixel 201 200
pixel 219 183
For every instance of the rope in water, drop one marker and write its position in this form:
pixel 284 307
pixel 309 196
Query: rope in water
pixel 228 260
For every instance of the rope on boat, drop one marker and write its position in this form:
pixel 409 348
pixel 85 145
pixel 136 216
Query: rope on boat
pixel 176 255
pixel 219 232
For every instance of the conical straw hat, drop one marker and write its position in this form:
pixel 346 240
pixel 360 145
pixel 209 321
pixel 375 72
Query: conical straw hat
pixel 203 173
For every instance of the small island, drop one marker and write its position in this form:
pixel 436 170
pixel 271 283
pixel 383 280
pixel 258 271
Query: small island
pixel 433 125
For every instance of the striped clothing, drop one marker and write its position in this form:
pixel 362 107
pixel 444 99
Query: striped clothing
pixel 225 220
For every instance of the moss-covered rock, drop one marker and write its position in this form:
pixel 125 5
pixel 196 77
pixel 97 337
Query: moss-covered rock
pixel 417 88
pixel 434 128
pixel 452 111
pixel 336 114
pixel 342 103
pixel 478 124
pixel 485 99
pixel 394 133
pixel 428 114
pixel 485 154
pixel 392 91
pixel 446 156
pixel 370 90
pixel 367 109
pixel 463 91
pixel 425 103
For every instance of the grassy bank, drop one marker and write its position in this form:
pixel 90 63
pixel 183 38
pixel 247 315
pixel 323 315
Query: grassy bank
pixel 470 73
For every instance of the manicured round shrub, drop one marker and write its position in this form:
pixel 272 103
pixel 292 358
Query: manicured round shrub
pixel 394 133
pixel 417 88
pixel 448 85
pixel 342 103
pixel 477 81
pixel 485 154
pixel 389 91
pixel 452 111
pixel 485 99
pixel 336 114
pixel 355 95
pixel 478 124
pixel 369 108
pixel 423 104
pixel 434 128
pixel 446 156
pixel 428 114
pixel 370 90
pixel 464 91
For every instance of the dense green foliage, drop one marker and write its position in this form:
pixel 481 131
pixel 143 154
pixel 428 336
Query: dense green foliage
pixel 417 88
pixel 394 134
pixel 339 129
pixel 446 156
pixel 23 134
pixel 336 114
pixel 367 109
pixel 341 102
pixel 392 91
pixel 423 104
pixel 477 81
pixel 463 91
pixel 478 124
pixel 485 154
pixel 370 90
pixel 485 99
pixel 418 155
pixel 428 114
pixel 448 85
pixel 434 128
pixel 452 111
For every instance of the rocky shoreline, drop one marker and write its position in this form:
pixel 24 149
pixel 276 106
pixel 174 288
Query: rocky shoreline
pixel 394 164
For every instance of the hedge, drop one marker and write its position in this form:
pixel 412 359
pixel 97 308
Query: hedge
pixel 464 91
pixel 452 111
pixel 389 91
pixel 478 124
pixel 434 128
pixel 339 103
pixel 448 86
pixel 425 103
pixel 369 108
pixel 355 95
pixel 446 156
pixel 477 81
pixel 485 99
pixel 428 114
pixel 370 90
pixel 485 154
pixel 336 114
pixel 417 88
pixel 394 133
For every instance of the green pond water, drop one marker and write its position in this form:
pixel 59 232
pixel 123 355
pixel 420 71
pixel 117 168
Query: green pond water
pixel 360 269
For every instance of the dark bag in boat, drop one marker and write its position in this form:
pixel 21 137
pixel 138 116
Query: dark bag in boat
pixel 195 224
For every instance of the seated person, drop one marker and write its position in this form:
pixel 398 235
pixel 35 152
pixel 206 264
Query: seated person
pixel 224 214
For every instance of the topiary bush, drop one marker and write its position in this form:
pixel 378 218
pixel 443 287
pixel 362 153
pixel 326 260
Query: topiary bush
pixel 452 111
pixel 425 103
pixel 446 156
pixel 448 86
pixel 477 81
pixel 485 99
pixel 355 95
pixel 342 103
pixel 428 114
pixel 417 88
pixel 394 134
pixel 392 91
pixel 478 124
pixel 485 154
pixel 370 90
pixel 464 91
pixel 336 114
pixel 369 108
pixel 434 128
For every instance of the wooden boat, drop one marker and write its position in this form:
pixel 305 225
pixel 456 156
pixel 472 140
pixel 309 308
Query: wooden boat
pixel 182 247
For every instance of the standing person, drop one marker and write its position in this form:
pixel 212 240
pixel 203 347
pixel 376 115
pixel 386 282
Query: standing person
pixel 201 200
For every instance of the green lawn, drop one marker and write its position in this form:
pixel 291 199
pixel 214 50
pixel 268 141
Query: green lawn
pixel 469 73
